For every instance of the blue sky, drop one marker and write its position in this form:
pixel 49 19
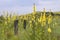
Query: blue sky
pixel 25 6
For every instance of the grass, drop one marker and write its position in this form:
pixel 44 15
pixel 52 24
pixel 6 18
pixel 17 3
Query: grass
pixel 33 32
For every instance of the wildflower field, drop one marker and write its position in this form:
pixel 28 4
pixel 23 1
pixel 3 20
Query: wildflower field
pixel 39 26
pixel 35 26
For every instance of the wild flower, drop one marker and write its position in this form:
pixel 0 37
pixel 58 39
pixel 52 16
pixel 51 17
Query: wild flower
pixel 49 30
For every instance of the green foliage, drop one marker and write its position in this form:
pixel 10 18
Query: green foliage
pixel 33 32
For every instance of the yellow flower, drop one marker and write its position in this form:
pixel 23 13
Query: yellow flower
pixel 40 19
pixel 30 25
pixel 30 21
pixel 44 19
pixel 14 17
pixel 49 19
pixel 49 30
pixel 33 18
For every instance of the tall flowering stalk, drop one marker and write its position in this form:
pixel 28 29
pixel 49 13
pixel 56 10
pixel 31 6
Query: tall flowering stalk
pixel 40 19
pixel 44 18
pixel 43 24
pixel 34 9
pixel 33 22
pixel 49 19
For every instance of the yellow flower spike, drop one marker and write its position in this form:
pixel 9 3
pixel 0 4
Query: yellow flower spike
pixel 49 19
pixel 44 15
pixel 34 9
pixel 44 18
pixel 40 19
pixel 49 30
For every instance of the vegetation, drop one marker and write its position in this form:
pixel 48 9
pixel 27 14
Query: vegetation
pixel 39 26
pixel 35 26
